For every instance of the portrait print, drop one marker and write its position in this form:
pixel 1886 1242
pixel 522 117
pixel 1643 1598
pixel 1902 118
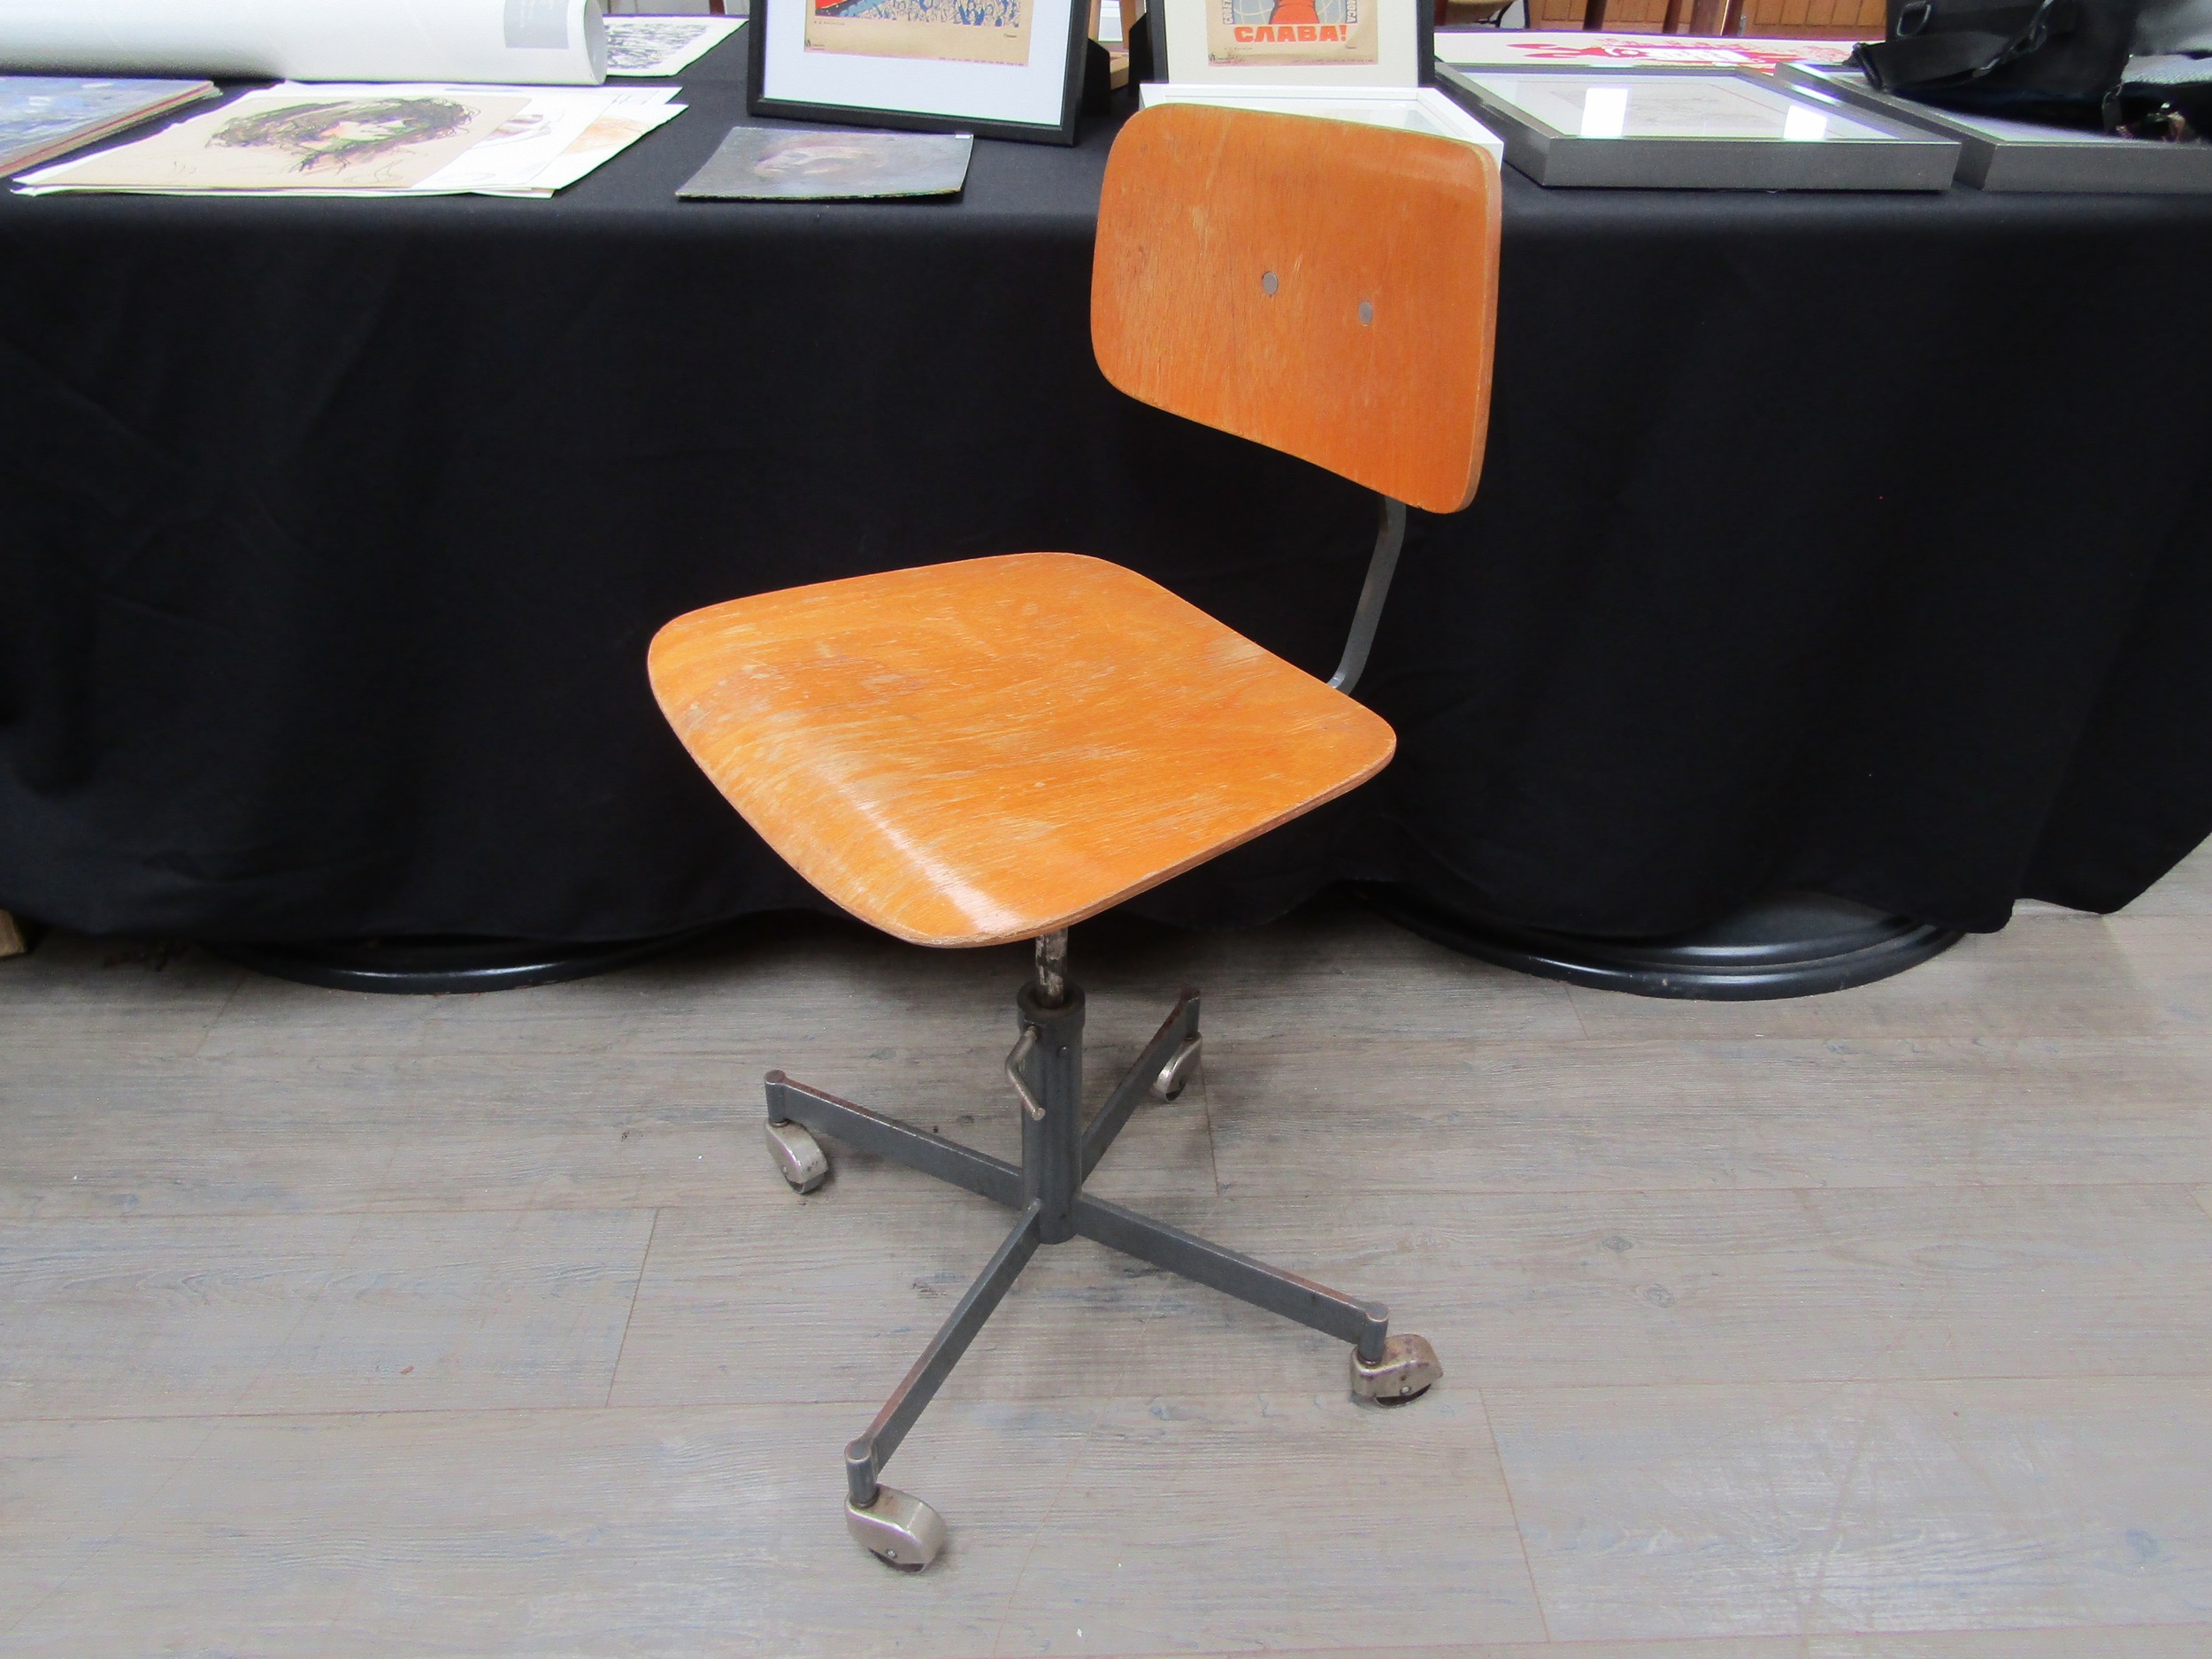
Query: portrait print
pixel 1292 32
pixel 285 140
pixel 949 31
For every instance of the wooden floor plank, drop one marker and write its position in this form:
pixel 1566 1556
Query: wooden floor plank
pixel 2105 1641
pixel 1182 1519
pixel 187 1318
pixel 1517 1290
pixel 539 1532
pixel 101 1000
pixel 472 1131
pixel 1330 1114
pixel 157 1317
pixel 1729 1511
pixel 66 1489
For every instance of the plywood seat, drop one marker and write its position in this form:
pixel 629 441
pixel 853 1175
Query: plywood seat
pixel 974 753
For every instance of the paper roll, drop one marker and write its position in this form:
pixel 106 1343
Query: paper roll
pixel 517 43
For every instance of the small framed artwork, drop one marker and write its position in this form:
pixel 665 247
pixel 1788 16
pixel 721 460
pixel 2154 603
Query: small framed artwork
pixel 1700 129
pixel 997 68
pixel 1296 42
pixel 1997 154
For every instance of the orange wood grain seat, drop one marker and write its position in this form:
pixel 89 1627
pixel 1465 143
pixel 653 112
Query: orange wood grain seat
pixel 974 753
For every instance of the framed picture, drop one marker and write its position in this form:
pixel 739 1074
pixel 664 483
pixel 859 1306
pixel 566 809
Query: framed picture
pixel 998 68
pixel 1702 129
pixel 1410 108
pixel 1576 49
pixel 1997 154
pixel 1294 43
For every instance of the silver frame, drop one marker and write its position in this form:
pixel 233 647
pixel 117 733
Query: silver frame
pixel 1909 156
pixel 1989 161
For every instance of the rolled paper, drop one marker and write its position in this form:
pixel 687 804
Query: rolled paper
pixel 517 43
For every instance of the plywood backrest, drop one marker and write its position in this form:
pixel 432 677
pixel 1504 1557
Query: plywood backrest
pixel 1326 288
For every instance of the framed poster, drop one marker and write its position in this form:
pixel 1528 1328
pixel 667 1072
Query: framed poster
pixel 1410 108
pixel 1530 49
pixel 1295 42
pixel 1700 129
pixel 1997 154
pixel 998 68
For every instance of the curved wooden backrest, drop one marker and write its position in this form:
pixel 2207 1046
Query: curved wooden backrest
pixel 1326 288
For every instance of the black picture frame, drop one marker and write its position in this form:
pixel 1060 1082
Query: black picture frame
pixel 1423 44
pixel 757 100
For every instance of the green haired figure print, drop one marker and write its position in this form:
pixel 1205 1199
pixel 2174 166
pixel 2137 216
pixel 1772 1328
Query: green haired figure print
pixel 345 132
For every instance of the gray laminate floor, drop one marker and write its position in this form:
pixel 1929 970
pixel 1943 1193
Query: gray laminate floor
pixel 1874 1325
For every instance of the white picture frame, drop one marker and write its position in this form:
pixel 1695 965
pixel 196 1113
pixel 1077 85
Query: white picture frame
pixel 1700 129
pixel 1037 98
pixel 1191 43
pixel 1412 109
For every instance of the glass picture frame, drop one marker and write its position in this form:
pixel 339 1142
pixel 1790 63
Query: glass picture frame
pixel 2000 154
pixel 1404 109
pixel 995 68
pixel 1710 129
pixel 1294 42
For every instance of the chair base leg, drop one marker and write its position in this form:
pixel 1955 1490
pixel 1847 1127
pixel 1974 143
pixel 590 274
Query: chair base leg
pixel 1047 1191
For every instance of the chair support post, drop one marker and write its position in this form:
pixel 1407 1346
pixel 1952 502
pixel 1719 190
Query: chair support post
pixel 1390 540
pixel 1052 1143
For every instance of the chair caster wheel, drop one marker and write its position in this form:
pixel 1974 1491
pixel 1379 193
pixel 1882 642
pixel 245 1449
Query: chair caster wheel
pixel 1408 1369
pixel 897 1529
pixel 799 1157
pixel 1176 1074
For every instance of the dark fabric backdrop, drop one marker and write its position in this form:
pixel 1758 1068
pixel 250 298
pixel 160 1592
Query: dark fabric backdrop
pixel 1850 543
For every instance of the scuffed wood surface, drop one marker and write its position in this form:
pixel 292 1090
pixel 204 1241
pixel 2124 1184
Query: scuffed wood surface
pixel 1372 354
pixel 972 753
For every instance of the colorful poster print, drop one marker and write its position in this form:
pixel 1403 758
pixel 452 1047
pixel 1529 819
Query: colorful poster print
pixel 949 31
pixel 1292 32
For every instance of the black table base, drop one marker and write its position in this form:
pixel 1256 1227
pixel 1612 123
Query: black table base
pixel 1792 944
pixel 440 966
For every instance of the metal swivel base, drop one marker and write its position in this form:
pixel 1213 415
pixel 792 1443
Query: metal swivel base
pixel 1058 1153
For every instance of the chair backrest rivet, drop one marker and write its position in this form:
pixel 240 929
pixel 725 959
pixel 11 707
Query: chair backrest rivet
pixel 1267 282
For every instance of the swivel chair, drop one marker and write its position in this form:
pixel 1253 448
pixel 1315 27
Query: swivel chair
pixel 988 751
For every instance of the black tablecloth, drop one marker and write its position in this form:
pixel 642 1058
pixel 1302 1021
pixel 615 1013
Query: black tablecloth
pixel 1855 542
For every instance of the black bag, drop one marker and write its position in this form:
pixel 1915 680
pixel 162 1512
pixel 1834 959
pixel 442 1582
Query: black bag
pixel 2142 67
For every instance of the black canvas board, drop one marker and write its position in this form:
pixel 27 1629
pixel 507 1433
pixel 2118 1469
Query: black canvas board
pixel 812 163
pixel 1909 157
pixel 2069 161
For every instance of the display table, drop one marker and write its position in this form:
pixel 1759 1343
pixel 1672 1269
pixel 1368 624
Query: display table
pixel 1836 542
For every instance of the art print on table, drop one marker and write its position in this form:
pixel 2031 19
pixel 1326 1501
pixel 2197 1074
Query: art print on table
pixel 267 141
pixel 663 45
pixel 761 164
pixel 1227 43
pixel 945 31
pixel 1303 32
pixel 1000 68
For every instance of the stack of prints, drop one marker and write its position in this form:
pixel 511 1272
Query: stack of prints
pixel 42 118
pixel 377 140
